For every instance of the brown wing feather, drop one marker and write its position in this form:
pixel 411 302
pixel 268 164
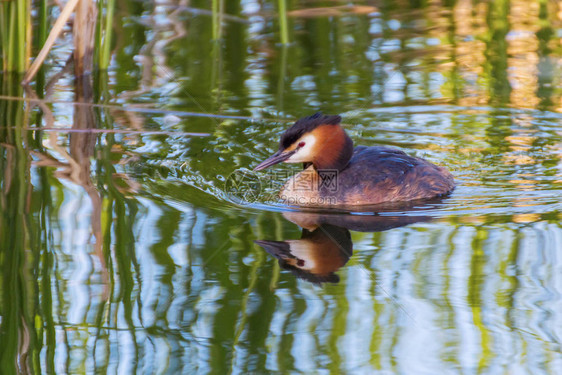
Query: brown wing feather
pixel 381 174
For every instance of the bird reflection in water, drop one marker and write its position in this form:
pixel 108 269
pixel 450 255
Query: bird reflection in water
pixel 316 255
pixel 325 244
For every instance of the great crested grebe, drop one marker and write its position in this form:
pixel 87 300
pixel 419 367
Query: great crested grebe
pixel 337 174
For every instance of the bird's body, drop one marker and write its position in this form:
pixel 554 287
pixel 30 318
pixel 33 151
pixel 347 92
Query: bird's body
pixel 336 174
pixel 374 175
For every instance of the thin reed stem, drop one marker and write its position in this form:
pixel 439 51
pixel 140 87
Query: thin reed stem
pixel 283 25
pixel 106 10
pixel 218 10
pixel 15 28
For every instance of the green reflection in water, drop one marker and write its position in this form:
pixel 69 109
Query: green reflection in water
pixel 121 254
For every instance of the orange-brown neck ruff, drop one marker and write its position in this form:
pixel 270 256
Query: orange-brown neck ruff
pixel 333 149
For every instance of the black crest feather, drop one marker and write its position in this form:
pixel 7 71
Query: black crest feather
pixel 305 125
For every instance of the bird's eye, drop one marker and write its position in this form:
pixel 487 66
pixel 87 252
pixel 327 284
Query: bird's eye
pixel 301 144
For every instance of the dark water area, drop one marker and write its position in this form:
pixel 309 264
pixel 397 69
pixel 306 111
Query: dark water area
pixel 124 250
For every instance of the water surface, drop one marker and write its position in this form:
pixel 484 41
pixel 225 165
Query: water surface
pixel 123 252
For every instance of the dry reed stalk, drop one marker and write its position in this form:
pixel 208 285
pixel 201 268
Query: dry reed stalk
pixel 84 31
pixel 53 35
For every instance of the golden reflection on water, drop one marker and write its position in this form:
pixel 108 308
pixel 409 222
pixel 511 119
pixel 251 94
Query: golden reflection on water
pixel 489 49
